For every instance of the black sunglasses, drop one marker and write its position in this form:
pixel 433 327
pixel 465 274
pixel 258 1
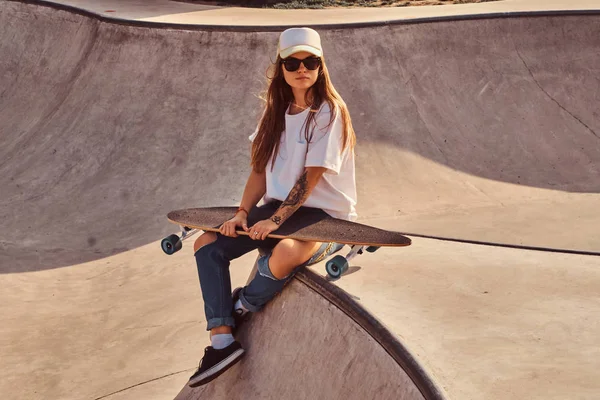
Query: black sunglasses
pixel 292 64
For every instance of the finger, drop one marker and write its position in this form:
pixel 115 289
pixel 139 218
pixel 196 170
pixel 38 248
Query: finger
pixel 245 227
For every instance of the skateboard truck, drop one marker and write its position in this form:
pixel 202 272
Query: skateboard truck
pixel 338 265
pixel 173 243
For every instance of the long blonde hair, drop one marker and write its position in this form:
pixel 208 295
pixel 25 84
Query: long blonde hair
pixel 277 98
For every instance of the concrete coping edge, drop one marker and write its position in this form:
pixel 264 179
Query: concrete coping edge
pixel 377 330
pixel 278 28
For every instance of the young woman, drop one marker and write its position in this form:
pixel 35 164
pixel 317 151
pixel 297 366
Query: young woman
pixel 302 156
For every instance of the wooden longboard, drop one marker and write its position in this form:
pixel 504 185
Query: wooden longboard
pixel 305 224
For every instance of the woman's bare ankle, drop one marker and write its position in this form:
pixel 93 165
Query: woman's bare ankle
pixel 220 330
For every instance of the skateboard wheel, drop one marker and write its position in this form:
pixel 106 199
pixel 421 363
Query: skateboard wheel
pixel 336 266
pixel 372 249
pixel 171 244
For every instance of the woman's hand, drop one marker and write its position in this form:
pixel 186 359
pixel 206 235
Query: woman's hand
pixel 261 229
pixel 229 227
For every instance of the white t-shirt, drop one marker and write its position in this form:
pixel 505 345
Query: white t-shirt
pixel 335 192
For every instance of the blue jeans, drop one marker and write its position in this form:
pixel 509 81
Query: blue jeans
pixel 213 262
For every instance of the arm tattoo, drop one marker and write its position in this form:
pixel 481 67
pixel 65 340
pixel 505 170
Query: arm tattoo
pixel 298 193
pixel 295 199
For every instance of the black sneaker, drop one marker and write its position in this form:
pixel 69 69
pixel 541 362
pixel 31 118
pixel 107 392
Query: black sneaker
pixel 215 362
pixel 238 314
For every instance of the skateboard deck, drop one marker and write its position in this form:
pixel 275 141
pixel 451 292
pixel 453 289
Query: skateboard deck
pixel 304 224
pixel 309 224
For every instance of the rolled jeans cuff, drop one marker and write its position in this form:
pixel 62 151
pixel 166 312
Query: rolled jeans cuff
pixel 247 305
pixel 215 322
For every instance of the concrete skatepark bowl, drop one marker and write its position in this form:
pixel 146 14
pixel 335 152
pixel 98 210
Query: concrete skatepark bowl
pixel 470 130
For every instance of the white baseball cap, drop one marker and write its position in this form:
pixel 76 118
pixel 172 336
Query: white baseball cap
pixel 294 40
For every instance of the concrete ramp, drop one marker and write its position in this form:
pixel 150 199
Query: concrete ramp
pixel 314 342
pixel 481 128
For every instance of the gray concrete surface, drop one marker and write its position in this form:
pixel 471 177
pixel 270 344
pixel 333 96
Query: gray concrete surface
pixel 335 351
pixel 477 130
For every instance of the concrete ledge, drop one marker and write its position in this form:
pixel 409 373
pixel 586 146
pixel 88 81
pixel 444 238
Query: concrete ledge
pixel 185 16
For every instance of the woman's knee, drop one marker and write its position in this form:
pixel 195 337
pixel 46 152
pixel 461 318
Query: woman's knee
pixel 204 239
pixel 289 254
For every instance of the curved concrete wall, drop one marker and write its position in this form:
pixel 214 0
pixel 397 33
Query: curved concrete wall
pixel 314 342
pixel 466 129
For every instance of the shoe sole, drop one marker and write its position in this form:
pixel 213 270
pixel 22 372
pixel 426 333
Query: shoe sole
pixel 217 370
